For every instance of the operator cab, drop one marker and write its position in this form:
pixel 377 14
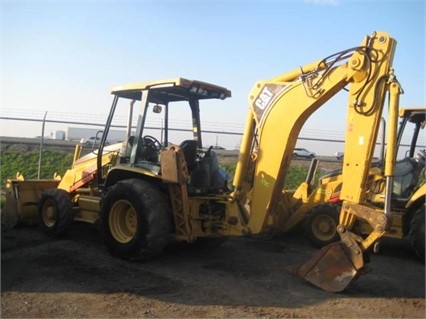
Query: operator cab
pixel 154 121
pixel 410 163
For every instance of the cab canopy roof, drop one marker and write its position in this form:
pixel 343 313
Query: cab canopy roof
pixel 172 90
pixel 417 115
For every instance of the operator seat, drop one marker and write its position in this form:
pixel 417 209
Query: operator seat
pixel 189 149
pixel 406 178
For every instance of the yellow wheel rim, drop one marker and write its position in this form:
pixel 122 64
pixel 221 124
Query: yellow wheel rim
pixel 122 221
pixel 49 213
pixel 324 227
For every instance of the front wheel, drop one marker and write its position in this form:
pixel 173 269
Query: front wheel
pixel 55 213
pixel 135 220
pixel 417 232
pixel 321 223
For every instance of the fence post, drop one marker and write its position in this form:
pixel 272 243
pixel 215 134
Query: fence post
pixel 41 146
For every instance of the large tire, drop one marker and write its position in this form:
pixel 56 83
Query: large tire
pixel 417 232
pixel 135 220
pixel 321 223
pixel 55 214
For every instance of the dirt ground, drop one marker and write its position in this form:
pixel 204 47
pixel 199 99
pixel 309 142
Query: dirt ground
pixel 243 278
pixel 76 277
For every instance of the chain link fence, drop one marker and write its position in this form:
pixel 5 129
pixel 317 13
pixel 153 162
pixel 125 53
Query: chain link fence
pixel 61 132
pixel 22 146
pixel 75 128
pixel 80 127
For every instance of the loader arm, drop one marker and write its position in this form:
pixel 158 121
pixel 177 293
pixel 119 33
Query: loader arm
pixel 278 109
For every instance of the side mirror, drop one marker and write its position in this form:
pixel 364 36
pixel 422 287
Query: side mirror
pixel 157 108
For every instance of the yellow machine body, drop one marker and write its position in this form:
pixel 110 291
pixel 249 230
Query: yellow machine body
pixel 150 189
pixel 408 192
pixel 22 198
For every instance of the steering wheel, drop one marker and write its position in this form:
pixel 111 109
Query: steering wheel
pixel 152 142
pixel 201 154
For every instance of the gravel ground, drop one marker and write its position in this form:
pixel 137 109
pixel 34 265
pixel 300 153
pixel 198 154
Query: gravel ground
pixel 243 278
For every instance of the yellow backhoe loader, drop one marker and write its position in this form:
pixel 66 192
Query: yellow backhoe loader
pixel 150 190
pixel 322 207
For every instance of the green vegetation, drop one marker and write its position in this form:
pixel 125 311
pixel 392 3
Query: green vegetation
pixel 59 162
pixel 27 164
pixel 296 175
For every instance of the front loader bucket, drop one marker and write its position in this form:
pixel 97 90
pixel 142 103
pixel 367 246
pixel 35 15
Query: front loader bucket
pixel 22 199
pixel 330 269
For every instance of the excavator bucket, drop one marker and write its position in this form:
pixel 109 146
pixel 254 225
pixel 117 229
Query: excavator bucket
pixel 330 269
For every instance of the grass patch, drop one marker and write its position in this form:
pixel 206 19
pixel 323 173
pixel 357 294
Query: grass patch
pixel 27 164
pixel 296 174
pixel 59 162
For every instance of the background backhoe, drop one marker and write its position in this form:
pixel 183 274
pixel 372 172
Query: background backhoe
pixel 150 190
pixel 321 207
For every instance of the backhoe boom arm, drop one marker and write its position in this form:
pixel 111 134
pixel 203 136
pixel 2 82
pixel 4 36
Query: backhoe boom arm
pixel 279 108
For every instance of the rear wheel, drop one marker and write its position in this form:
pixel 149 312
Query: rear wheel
pixel 321 223
pixel 55 212
pixel 417 232
pixel 135 220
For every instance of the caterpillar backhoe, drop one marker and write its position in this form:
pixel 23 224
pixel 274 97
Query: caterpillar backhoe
pixel 322 206
pixel 149 190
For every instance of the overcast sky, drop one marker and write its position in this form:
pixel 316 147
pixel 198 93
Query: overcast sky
pixel 64 56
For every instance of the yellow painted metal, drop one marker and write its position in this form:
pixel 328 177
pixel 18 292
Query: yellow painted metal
pixel 22 200
pixel 394 91
pixel 180 204
pixel 84 169
pixel 123 221
pixel 278 109
pixel 210 225
pixel 347 218
pixel 87 216
pixel 380 220
pixel 128 90
pixel 375 188
pixel 276 140
pixel 148 84
pixel 49 214
pixel 363 120
pixel 328 189
pixel 244 154
pixel 174 172
pixel 293 75
pixel 77 154
pixel 399 219
pixel 325 227
pixel 404 111
pixel 189 224
pixel 88 208
pixel 420 193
